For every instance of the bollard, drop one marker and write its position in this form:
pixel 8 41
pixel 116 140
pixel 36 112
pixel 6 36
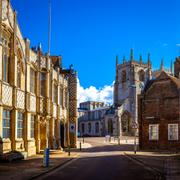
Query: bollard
pixel 46 158
pixel 83 139
pixel 69 151
pixel 135 146
pixel 118 141
pixel 80 146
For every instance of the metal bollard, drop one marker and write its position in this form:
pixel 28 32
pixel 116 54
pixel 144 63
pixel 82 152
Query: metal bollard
pixel 118 141
pixel 135 145
pixel 46 157
pixel 69 150
pixel 80 146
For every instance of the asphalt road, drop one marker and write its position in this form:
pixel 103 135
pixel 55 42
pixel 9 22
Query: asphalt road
pixel 101 162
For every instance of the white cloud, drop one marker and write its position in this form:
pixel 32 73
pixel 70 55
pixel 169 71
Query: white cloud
pixel 104 94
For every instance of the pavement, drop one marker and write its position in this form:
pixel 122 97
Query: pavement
pixel 164 163
pixel 98 159
pixel 33 166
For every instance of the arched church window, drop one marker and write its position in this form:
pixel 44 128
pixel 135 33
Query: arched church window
pixel 123 76
pixel 125 122
pixel 110 126
pixel 141 75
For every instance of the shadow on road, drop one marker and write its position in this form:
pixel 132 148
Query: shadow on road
pixel 106 148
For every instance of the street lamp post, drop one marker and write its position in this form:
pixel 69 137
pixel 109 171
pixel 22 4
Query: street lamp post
pixel 118 129
pixel 134 125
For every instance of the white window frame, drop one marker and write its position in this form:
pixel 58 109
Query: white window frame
pixel 177 132
pixel 150 135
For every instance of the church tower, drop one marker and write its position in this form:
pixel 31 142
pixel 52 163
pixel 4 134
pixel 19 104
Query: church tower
pixel 130 79
pixel 116 85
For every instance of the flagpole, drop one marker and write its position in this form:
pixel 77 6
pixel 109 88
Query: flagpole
pixel 47 149
pixel 49 29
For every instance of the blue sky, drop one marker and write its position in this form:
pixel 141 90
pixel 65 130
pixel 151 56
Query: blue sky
pixel 89 33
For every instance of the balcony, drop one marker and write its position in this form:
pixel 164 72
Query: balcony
pixel 7 94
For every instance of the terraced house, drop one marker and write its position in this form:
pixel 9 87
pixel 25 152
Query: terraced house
pixel 38 104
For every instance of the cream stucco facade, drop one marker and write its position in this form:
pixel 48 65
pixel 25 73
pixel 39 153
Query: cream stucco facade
pixel 38 102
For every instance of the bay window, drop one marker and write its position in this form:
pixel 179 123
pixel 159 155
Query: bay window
pixel 20 125
pixel 32 81
pixel 43 84
pixel 32 126
pixel 55 94
pixel 61 96
pixel 5 59
pixel 19 75
pixel 6 124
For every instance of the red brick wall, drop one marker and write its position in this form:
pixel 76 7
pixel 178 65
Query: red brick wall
pixel 160 101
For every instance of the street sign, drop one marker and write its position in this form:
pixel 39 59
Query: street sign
pixel 46 157
pixel 134 125
pixel 72 128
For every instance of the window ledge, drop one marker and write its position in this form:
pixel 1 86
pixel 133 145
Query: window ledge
pixel 6 140
pixel 153 139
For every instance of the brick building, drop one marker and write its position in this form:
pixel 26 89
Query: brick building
pixel 38 102
pixel 159 111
